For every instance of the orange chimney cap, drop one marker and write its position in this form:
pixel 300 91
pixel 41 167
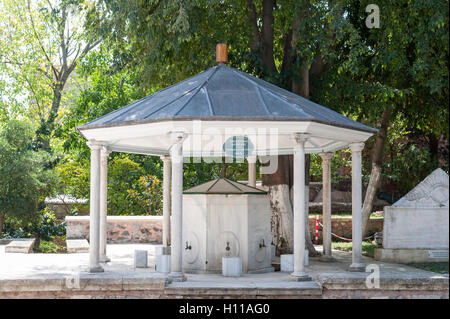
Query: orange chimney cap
pixel 221 53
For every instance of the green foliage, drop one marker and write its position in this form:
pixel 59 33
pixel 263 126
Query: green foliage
pixel 438 267
pixel 103 90
pixel 48 227
pixel 73 178
pixel 149 194
pixel 368 247
pixel 24 179
pixel 44 227
pixel 410 167
pixel 340 160
pixel 124 174
pixel 48 246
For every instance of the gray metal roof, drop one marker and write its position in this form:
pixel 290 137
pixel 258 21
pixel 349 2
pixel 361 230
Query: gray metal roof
pixel 224 93
pixel 223 186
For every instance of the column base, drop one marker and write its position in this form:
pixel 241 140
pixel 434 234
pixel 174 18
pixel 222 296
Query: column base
pixel 105 259
pixel 162 250
pixel 95 269
pixel 327 258
pixel 357 267
pixel 299 276
pixel 176 276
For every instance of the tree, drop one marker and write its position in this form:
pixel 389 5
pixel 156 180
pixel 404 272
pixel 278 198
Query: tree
pixel 41 43
pixel 319 49
pixel 23 182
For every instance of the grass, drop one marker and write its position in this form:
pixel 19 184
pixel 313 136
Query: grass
pixel 367 247
pixel 347 215
pixel 57 245
pixel 438 267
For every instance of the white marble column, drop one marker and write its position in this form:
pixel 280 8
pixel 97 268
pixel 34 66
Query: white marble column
pixel 166 200
pixel 299 273
pixel 176 154
pixel 104 153
pixel 252 170
pixel 326 206
pixel 357 264
pixel 94 212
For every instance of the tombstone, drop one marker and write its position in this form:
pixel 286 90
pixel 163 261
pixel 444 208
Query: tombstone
pixel 416 226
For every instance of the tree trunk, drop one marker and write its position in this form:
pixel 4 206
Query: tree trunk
pixel 375 173
pixel 224 168
pixel 282 218
pixel 301 87
pixel 2 220
pixel 433 146
pixel 267 35
pixel 279 185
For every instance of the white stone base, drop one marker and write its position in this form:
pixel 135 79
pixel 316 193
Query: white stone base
pixel 411 255
pixel 163 264
pixel 231 266
pixel 287 262
pixel 140 258
pixel 162 250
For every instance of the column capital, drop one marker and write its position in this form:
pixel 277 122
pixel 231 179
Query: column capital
pixel 165 158
pixel 105 151
pixel 252 159
pixel 94 145
pixel 177 136
pixel 326 156
pixel 300 137
pixel 357 146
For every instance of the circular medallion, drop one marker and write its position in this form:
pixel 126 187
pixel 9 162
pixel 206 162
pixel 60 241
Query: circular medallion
pixel 238 147
pixel 228 244
pixel 191 248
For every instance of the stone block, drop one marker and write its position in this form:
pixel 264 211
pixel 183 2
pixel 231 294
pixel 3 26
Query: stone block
pixel 231 266
pixel 163 263
pixel 77 246
pixel 410 255
pixel 162 250
pixel 287 263
pixel 140 258
pixel 20 245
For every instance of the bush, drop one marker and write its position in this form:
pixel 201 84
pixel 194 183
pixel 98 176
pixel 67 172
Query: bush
pixel 149 195
pixel 46 228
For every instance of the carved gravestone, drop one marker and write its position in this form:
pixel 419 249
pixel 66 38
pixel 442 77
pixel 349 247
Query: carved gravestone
pixel 416 226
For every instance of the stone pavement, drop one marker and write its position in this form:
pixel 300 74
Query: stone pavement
pixel 54 275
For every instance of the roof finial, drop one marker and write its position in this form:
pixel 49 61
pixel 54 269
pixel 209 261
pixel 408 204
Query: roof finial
pixel 221 53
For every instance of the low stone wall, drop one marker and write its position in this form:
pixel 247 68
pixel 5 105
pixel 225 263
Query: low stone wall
pixel 343 226
pixel 148 229
pixel 120 229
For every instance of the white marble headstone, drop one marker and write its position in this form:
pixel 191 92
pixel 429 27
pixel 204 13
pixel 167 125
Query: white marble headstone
pixel 431 192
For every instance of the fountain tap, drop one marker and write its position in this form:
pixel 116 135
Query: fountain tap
pixel 263 244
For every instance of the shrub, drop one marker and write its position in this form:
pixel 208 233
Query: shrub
pixel 149 194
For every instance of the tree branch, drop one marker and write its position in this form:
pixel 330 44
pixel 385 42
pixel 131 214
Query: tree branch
pixel 56 72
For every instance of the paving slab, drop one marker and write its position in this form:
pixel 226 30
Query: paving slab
pixel 77 245
pixel 56 275
pixel 20 245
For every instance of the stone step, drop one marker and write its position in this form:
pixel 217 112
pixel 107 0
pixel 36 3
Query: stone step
pixel 20 245
pixel 77 246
